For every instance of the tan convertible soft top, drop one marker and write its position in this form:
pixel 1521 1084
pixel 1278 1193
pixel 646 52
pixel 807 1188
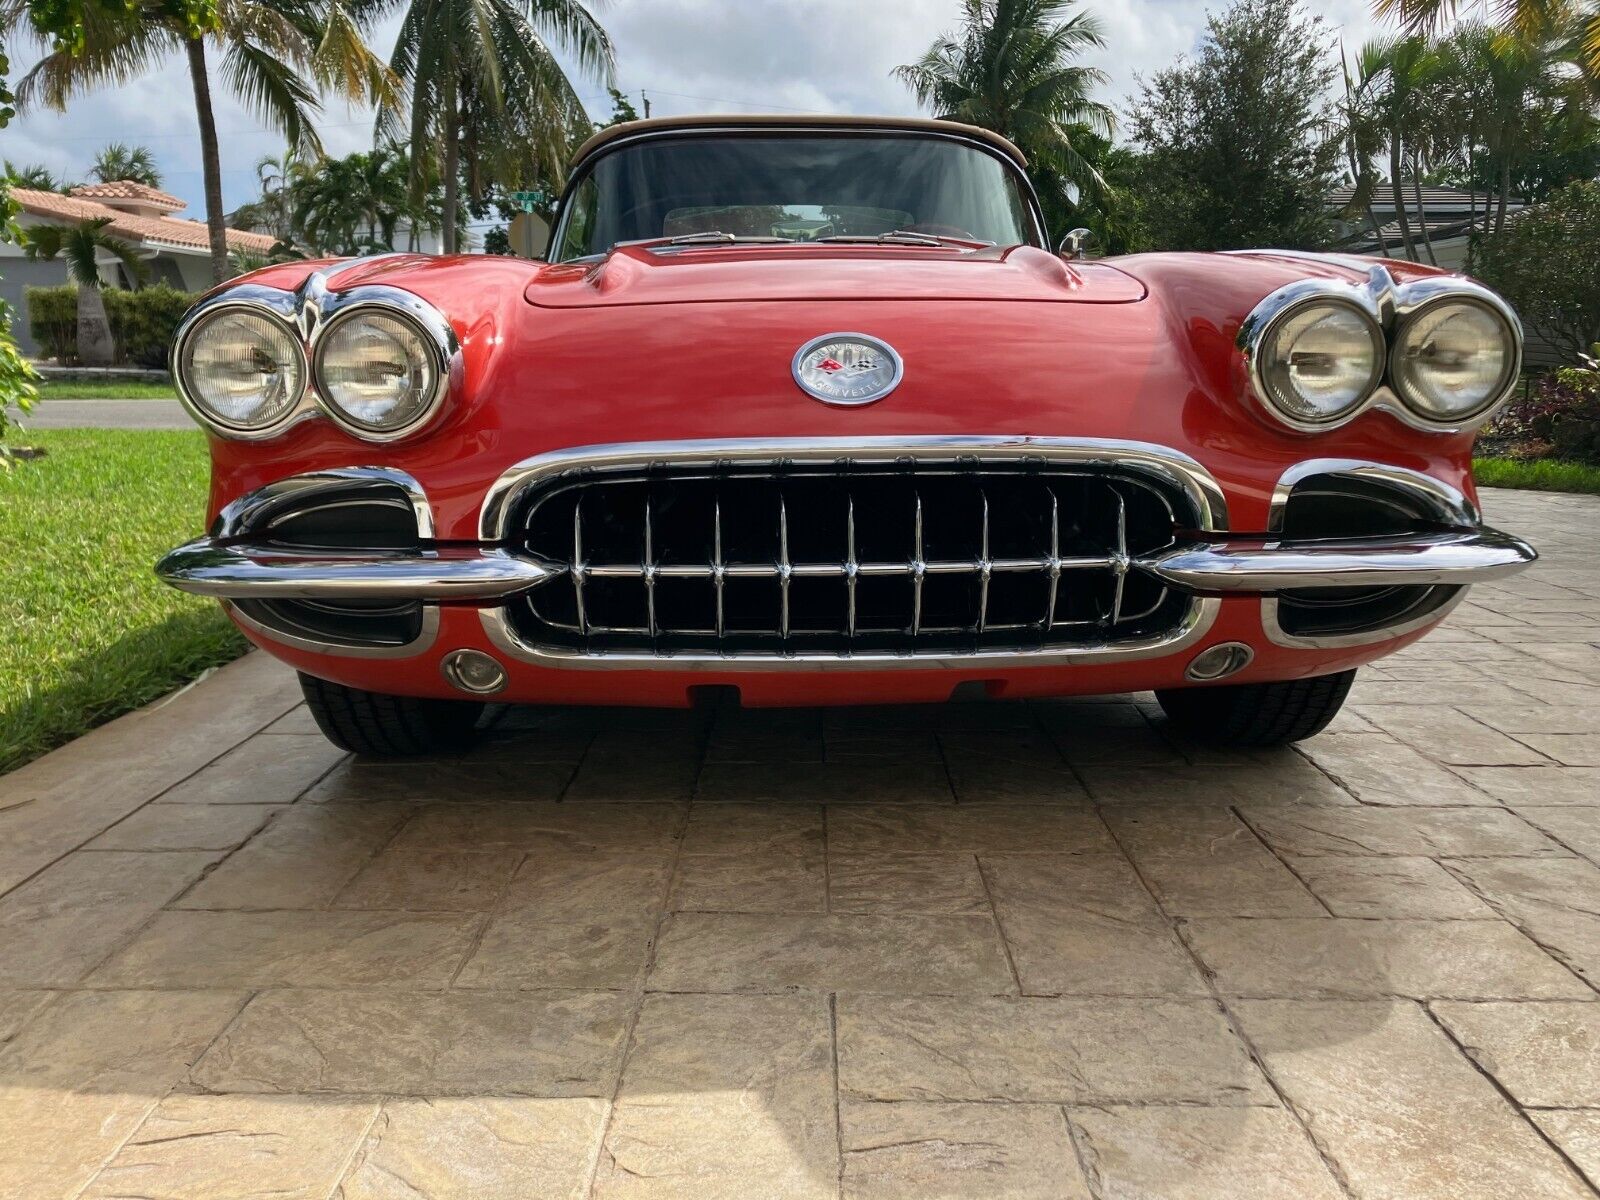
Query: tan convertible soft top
pixel 781 121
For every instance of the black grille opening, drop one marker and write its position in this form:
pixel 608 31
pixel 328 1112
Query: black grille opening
pixel 849 558
pixel 348 623
pixel 362 514
pixel 1342 506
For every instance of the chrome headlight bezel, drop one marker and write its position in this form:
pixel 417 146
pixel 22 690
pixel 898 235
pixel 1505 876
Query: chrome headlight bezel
pixel 268 304
pixel 437 337
pixel 1391 307
pixel 307 314
pixel 1423 303
pixel 1294 302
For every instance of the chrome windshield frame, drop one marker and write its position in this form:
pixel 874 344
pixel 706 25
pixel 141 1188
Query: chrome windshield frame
pixel 563 210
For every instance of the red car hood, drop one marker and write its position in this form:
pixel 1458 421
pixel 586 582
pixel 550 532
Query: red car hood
pixel 637 275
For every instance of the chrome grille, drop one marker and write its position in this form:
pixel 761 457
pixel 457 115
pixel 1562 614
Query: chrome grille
pixel 845 558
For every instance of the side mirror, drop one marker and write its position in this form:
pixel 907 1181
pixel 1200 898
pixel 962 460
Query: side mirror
pixel 529 235
pixel 1076 243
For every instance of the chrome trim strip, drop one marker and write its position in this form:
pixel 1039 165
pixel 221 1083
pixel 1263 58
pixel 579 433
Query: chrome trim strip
pixel 1196 624
pixel 1390 306
pixel 1170 466
pixel 423 642
pixel 307 314
pixel 1447 503
pixel 1451 557
pixel 1278 636
pixel 238 571
pixel 255 510
pixel 252 510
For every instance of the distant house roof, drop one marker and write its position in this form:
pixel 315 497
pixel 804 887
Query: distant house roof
pixel 1434 199
pixel 127 189
pixel 156 232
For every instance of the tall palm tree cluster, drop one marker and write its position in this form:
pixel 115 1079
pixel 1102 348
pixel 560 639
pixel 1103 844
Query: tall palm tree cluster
pixel 1503 111
pixel 475 83
pixel 1012 68
pixel 357 204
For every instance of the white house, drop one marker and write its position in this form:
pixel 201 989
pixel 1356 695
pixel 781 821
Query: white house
pixel 176 250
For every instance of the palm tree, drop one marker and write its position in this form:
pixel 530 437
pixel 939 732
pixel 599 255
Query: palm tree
pixel 1010 68
pixel 269 49
pixel 34 176
pixel 82 246
pixel 488 96
pixel 1528 19
pixel 119 161
pixel 1390 77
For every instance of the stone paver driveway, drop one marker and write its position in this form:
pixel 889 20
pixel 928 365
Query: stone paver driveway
pixel 997 951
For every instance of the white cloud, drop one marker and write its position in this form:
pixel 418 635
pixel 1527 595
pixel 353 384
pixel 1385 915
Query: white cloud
pixel 689 55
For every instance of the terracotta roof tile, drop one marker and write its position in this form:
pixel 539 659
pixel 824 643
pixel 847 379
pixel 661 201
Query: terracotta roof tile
pixel 152 231
pixel 127 189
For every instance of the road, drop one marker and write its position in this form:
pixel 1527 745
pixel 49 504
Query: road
pixel 107 414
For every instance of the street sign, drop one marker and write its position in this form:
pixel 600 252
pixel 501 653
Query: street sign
pixel 529 235
pixel 528 201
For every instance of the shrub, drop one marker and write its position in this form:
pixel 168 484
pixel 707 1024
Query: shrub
pixel 1547 263
pixel 1561 415
pixel 142 322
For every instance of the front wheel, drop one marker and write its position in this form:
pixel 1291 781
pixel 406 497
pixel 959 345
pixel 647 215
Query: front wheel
pixel 383 726
pixel 1257 714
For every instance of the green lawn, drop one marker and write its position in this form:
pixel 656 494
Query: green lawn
pixel 67 389
pixel 86 630
pixel 1544 475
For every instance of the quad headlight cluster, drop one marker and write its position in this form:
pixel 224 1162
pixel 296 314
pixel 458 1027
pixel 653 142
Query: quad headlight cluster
pixel 374 360
pixel 1441 354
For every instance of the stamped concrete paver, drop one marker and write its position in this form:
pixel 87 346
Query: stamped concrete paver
pixel 725 1096
pixel 1545 1055
pixel 1337 957
pixel 294 1147
pixel 488 1148
pixel 1034 1050
pixel 915 1151
pixel 1201 1154
pixel 1007 949
pixel 461 1043
pixel 1398 1108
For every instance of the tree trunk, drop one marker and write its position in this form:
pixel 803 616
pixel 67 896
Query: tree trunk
pixel 452 165
pixel 1377 230
pixel 1505 194
pixel 95 347
pixel 1399 191
pixel 210 159
pixel 1422 213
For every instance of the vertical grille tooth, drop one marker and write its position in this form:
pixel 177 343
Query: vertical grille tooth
pixel 948 560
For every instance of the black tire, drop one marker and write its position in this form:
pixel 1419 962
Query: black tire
pixel 383 726
pixel 1257 714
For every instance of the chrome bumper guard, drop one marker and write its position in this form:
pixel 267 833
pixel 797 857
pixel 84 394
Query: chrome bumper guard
pixel 242 571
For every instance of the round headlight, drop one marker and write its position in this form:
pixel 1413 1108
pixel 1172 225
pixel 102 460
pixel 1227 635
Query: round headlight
pixel 378 371
pixel 1453 359
pixel 242 368
pixel 1320 361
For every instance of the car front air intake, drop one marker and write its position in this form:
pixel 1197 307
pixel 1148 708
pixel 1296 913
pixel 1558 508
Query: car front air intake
pixel 881 551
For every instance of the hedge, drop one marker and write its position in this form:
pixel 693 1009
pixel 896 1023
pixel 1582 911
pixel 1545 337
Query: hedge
pixel 142 322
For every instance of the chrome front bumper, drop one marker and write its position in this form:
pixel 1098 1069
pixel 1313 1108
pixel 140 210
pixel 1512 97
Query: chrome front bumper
pixel 243 571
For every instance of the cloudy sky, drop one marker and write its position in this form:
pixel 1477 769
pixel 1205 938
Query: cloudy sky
pixel 823 56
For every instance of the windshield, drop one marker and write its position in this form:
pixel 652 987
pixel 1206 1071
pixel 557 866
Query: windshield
pixel 796 188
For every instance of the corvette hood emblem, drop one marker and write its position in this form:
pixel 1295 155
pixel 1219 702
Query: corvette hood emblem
pixel 847 369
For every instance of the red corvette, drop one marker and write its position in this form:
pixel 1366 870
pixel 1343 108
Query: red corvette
pixel 808 409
